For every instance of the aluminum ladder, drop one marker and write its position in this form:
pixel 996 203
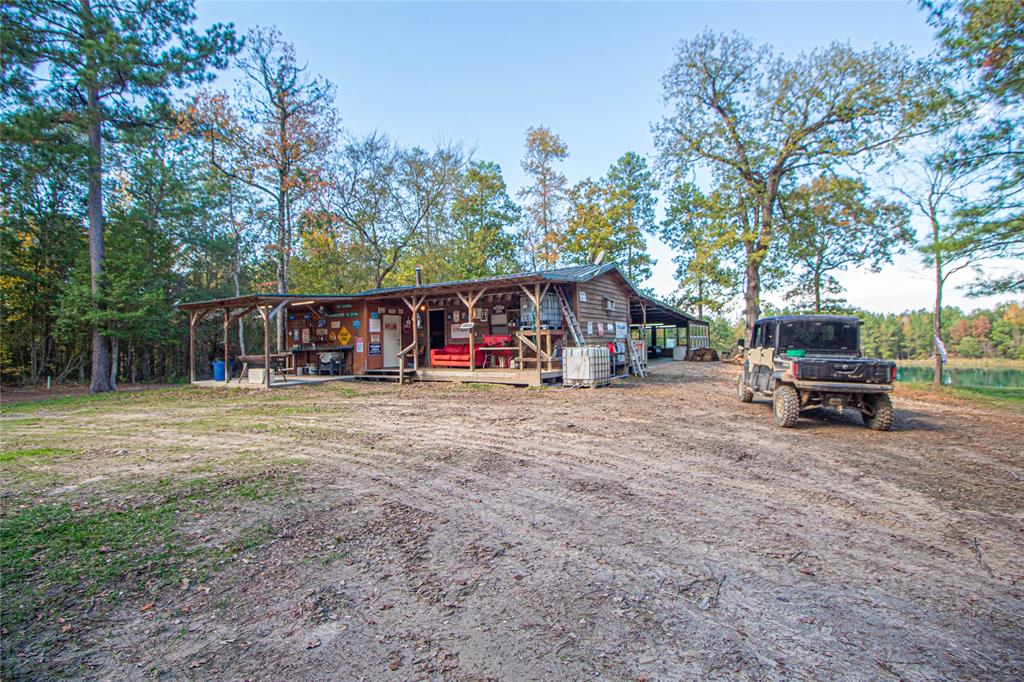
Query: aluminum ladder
pixel 634 359
pixel 570 318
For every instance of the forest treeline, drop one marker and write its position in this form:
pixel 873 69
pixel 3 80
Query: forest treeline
pixel 985 333
pixel 133 180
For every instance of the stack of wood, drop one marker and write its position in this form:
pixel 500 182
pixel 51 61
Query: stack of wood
pixel 702 355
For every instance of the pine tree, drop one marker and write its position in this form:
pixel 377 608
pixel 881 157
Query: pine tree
pixel 104 66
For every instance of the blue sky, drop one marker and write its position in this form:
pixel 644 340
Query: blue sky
pixel 482 73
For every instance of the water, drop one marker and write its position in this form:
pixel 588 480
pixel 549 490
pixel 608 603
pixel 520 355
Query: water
pixel 964 376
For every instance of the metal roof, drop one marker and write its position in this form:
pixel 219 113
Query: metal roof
pixel 657 311
pixel 811 318
pixel 575 273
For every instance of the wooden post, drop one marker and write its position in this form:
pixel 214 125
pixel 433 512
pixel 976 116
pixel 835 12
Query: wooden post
pixel 536 329
pixel 192 346
pixel 227 366
pixel 265 314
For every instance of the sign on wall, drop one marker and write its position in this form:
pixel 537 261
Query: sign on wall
pixel 621 330
pixel 374 324
pixel 457 331
pixel 344 336
pixel 375 349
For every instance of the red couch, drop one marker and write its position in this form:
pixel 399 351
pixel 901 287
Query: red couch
pixel 456 355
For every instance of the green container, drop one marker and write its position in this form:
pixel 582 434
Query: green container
pixel 796 353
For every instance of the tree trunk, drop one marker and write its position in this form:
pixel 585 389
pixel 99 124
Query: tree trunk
pixel 113 362
pixel 752 293
pixel 100 381
pixel 937 313
pixel 700 299
pixel 817 293
pixel 282 284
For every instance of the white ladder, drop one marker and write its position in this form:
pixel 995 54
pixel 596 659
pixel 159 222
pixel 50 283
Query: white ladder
pixel 574 326
pixel 634 359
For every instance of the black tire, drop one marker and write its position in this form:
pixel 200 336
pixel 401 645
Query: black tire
pixel 879 415
pixel 743 391
pixel 785 406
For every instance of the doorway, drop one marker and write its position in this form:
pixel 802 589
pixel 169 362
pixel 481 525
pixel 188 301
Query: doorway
pixel 435 322
pixel 391 340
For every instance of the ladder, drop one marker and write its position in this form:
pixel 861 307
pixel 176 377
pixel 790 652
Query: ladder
pixel 570 319
pixel 634 359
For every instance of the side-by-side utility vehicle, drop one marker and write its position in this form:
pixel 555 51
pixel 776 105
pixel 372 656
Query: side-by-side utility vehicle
pixel 805 362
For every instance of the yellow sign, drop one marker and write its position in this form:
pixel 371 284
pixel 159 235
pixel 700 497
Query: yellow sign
pixel 344 336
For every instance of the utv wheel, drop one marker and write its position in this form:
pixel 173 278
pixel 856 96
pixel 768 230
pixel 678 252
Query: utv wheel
pixel 785 406
pixel 743 391
pixel 878 416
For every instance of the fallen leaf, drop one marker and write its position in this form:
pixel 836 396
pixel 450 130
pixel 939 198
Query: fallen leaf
pixel 146 607
pixel 312 644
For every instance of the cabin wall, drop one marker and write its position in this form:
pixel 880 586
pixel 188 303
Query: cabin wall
pixel 596 319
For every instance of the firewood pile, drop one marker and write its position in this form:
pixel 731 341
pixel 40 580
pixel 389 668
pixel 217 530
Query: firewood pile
pixel 702 355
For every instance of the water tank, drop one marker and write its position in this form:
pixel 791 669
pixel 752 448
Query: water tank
pixel 586 366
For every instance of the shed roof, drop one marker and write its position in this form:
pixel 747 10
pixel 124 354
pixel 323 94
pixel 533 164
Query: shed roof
pixel 657 311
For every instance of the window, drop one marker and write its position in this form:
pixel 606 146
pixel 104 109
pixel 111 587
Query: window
pixel 811 335
pixel 550 312
pixel 609 304
pixel 769 335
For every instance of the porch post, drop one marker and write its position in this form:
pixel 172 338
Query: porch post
pixel 536 329
pixel 192 346
pixel 227 366
pixel 265 314
pixel 472 332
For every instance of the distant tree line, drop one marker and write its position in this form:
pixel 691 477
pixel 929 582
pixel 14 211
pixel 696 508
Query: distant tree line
pixel 986 333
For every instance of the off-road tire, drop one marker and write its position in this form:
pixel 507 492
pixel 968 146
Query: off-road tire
pixel 785 406
pixel 743 391
pixel 882 418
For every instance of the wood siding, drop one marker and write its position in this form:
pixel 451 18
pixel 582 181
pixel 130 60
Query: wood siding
pixel 595 311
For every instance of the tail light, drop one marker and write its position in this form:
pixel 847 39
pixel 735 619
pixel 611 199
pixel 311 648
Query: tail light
pixel 796 370
pixel 892 378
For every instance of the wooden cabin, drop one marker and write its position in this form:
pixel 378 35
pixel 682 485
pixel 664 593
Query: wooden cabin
pixel 483 330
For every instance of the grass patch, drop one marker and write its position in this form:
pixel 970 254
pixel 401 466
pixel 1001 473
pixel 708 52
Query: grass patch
pixel 55 556
pixel 39 453
pixel 1010 398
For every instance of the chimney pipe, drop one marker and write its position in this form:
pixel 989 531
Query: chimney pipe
pixel 419 276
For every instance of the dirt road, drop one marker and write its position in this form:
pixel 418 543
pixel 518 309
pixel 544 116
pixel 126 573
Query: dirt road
pixel 652 531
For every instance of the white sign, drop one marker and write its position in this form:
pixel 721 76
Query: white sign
pixel 459 332
pixel 374 324
pixel 621 330
pixel 590 327
pixel 941 347
pixel 583 296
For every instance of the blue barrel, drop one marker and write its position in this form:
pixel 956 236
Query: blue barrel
pixel 218 370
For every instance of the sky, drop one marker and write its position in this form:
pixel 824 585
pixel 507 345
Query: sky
pixel 482 73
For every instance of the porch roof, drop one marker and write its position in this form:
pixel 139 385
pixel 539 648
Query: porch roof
pixel 658 311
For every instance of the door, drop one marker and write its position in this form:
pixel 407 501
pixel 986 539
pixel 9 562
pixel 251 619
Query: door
pixel 391 340
pixel 436 321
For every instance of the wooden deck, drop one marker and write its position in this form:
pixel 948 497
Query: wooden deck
pixel 287 381
pixel 517 377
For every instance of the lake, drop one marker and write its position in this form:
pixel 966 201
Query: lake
pixel 964 376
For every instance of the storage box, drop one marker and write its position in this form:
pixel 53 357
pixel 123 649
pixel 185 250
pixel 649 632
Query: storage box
pixel 257 376
pixel 587 366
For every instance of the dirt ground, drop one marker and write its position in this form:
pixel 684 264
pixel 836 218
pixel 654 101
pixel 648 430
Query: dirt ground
pixel 656 530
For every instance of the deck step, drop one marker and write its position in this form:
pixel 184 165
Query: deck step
pixel 390 374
